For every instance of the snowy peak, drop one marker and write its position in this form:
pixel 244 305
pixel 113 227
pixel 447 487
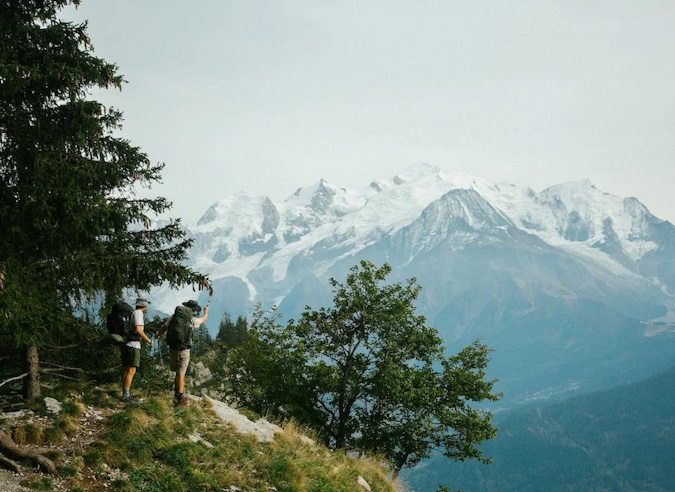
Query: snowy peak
pixel 311 207
pixel 240 209
pixel 320 225
pixel 324 198
pixel 459 217
pixel 415 173
pixel 240 225
pixel 467 206
pixel 583 214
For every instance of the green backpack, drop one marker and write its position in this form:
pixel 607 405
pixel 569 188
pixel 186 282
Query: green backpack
pixel 179 334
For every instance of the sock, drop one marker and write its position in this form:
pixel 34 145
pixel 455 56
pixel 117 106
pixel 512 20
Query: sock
pixel 125 391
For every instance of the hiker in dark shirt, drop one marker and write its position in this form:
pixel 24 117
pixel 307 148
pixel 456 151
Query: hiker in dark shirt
pixel 179 357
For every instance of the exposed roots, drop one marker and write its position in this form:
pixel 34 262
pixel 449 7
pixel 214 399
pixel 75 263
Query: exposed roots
pixel 11 451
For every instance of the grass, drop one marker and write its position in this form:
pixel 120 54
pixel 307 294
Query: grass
pixel 147 448
pixel 42 483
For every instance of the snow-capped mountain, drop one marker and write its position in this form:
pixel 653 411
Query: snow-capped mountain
pixel 492 259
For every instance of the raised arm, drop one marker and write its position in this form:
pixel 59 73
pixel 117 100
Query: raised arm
pixel 205 316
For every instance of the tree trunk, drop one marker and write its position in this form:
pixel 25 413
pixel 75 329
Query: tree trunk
pixel 31 383
pixel 341 434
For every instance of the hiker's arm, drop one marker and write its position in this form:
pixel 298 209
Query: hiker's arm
pixel 206 315
pixel 141 333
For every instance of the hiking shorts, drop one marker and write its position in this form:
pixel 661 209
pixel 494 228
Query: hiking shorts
pixel 131 357
pixel 179 360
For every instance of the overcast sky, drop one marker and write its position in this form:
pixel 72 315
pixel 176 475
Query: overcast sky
pixel 268 96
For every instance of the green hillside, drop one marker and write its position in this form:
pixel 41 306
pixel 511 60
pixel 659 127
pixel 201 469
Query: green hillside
pixel 99 444
pixel 616 440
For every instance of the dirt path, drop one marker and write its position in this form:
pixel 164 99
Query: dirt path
pixel 9 482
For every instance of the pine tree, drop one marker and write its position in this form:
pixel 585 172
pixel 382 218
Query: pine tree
pixel 232 334
pixel 201 341
pixel 73 228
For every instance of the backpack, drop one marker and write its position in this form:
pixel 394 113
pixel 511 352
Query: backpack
pixel 179 334
pixel 119 322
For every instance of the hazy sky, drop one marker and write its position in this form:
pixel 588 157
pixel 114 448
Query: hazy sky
pixel 268 96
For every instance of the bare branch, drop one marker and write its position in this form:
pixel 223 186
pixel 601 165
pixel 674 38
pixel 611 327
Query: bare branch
pixel 56 368
pixel 14 378
pixel 48 372
pixel 52 348
pixel 64 368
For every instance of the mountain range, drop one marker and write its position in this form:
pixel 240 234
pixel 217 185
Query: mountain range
pixel 572 287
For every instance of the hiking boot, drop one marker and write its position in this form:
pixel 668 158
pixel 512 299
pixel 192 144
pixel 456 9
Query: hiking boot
pixel 130 399
pixel 183 402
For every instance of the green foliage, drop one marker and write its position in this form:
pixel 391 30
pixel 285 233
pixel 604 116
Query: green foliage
pixel 232 334
pixel 74 228
pixel 201 341
pixel 364 374
pixel 43 483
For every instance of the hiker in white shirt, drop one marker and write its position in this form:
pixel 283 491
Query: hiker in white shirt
pixel 131 352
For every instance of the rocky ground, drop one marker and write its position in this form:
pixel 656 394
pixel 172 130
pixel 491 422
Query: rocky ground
pixel 10 482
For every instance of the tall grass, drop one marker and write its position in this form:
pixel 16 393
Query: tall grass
pixel 151 448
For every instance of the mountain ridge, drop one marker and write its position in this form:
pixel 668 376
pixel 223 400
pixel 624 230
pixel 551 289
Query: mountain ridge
pixel 240 234
pixel 490 258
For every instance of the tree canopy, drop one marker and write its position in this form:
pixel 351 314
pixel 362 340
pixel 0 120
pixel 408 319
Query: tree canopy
pixel 232 334
pixel 73 226
pixel 368 374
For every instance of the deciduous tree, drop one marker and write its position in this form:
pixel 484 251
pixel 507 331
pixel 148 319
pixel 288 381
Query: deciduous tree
pixel 369 374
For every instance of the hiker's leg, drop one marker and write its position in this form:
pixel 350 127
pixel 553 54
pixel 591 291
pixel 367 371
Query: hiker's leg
pixel 124 366
pixel 131 359
pixel 173 366
pixel 181 368
pixel 131 372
